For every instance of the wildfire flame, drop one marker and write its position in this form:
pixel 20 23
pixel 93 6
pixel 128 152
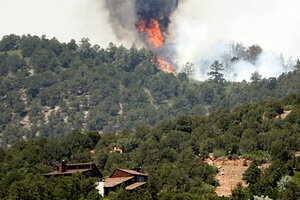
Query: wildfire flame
pixel 154 34
pixel 166 66
pixel 156 39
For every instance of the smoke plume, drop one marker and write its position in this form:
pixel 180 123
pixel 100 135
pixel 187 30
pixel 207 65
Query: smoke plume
pixel 156 9
pixel 201 31
pixel 124 15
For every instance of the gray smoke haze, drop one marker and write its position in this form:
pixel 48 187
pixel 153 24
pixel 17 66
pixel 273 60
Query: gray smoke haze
pixel 204 31
pixel 122 17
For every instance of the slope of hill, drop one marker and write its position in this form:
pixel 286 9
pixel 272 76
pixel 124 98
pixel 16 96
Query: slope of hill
pixel 48 88
pixel 172 154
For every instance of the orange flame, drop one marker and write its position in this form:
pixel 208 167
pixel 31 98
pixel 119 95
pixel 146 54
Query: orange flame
pixel 156 39
pixel 166 66
pixel 154 34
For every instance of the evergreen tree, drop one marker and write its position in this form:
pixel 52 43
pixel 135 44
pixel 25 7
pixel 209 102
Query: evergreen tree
pixel 255 77
pixel 252 174
pixel 215 73
pixel 297 66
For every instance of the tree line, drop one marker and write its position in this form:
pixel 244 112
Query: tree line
pixel 49 88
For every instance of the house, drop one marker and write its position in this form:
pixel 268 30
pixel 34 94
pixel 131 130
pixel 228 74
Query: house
pixel 64 169
pixel 131 179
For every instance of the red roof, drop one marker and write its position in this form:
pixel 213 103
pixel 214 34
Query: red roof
pixel 135 185
pixel 133 172
pixel 72 171
pixel 111 182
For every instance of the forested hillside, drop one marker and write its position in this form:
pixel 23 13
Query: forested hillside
pixel 171 153
pixel 48 88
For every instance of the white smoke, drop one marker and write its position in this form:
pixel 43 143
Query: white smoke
pixel 203 30
pixel 267 65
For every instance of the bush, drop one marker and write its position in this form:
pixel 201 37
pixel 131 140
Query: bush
pixel 219 153
pixel 259 156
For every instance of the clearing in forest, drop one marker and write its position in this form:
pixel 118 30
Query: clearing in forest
pixel 230 173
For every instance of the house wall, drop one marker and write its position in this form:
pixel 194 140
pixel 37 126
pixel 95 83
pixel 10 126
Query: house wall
pixel 96 172
pixel 140 179
pixel 100 187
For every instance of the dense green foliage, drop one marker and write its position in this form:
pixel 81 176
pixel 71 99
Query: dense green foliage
pixel 22 167
pixel 48 88
pixel 171 153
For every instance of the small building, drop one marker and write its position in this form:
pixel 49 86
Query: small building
pixel 64 169
pixel 131 179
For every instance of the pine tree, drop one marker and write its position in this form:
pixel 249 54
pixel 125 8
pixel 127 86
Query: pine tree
pixel 215 73
pixel 252 174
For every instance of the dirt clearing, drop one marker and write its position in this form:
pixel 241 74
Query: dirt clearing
pixel 230 173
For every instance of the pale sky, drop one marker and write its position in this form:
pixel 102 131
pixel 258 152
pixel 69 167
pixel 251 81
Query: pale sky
pixel 63 19
pixel 273 24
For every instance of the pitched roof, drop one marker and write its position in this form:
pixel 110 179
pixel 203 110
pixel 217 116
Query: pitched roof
pixel 135 185
pixel 80 164
pixel 133 172
pixel 111 182
pixel 72 171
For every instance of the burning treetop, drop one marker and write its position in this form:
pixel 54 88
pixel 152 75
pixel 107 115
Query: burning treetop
pixel 152 21
pixel 153 32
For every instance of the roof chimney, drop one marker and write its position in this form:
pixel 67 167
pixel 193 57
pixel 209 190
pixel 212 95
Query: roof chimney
pixel 62 166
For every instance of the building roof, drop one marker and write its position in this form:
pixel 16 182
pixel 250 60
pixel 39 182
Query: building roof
pixel 68 169
pixel 72 171
pixel 80 164
pixel 111 182
pixel 133 172
pixel 135 185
